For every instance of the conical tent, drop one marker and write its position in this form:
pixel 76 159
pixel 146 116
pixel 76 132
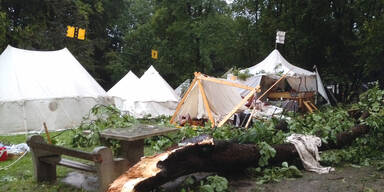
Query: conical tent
pixel 124 92
pixel 299 79
pixel 155 97
pixel 44 86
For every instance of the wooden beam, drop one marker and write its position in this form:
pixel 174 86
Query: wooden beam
pixel 308 107
pixel 206 104
pixel 47 133
pixel 270 88
pixel 220 81
pixel 245 99
pixel 182 100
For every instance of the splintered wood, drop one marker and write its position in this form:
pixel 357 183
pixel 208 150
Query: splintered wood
pixel 145 169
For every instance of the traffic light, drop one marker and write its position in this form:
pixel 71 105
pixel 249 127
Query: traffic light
pixel 81 34
pixel 70 31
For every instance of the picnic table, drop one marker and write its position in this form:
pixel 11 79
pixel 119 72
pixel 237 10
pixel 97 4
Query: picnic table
pixel 132 139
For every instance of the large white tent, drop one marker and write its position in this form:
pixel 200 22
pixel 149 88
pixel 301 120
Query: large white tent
pixel 155 96
pixel 125 92
pixel 299 79
pixel 44 86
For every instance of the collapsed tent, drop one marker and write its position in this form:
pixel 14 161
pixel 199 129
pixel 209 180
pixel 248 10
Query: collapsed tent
pixel 208 98
pixel 124 92
pixel 155 96
pixel 44 86
pixel 298 79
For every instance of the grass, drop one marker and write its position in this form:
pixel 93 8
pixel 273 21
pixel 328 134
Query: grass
pixel 19 177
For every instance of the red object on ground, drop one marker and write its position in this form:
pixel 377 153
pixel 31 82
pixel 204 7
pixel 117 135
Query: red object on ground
pixel 3 154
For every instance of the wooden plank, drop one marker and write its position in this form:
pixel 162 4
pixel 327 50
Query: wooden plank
pixel 137 132
pixel 220 81
pixel 56 160
pixel 65 151
pixel 77 165
pixel 182 100
pixel 206 104
pixel 229 115
pixel 278 95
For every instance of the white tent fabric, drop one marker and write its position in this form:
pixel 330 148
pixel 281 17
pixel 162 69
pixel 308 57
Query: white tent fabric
pixel 275 63
pixel 299 79
pixel 156 97
pixel 44 86
pixel 221 99
pixel 125 91
pixel 180 90
pixel 321 88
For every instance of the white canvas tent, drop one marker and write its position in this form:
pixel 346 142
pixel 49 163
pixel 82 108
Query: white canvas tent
pixel 155 96
pixel 299 79
pixel 209 98
pixel 44 86
pixel 125 92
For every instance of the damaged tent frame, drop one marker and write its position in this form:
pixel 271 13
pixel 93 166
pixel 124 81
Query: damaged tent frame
pixel 201 77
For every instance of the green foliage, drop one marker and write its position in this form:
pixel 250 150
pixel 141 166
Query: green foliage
pixel 214 184
pixel 241 75
pixel 266 152
pixel 274 174
pixel 325 124
pixel 262 131
pixel 331 121
pixel 101 117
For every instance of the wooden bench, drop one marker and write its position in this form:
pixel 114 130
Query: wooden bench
pixel 46 156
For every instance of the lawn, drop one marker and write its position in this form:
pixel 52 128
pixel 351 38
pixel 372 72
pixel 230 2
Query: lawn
pixel 19 177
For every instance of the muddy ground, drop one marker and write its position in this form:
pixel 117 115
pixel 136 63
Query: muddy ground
pixel 347 178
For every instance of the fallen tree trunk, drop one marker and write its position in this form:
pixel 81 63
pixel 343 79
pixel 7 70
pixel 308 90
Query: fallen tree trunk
pixel 211 156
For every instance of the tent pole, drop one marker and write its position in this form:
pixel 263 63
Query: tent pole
pixel 183 99
pixel 245 99
pixel 215 80
pixel 254 108
pixel 206 104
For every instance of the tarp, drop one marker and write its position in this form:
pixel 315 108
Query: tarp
pixel 221 99
pixel 299 79
pixel 125 92
pixel 44 86
pixel 155 97
pixel 180 90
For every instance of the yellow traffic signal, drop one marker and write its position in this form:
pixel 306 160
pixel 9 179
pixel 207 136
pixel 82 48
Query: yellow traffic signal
pixel 81 34
pixel 155 54
pixel 70 31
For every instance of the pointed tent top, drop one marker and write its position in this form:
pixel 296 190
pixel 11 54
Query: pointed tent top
pixel 124 87
pixel 27 75
pixel 275 63
pixel 150 71
pixel 155 88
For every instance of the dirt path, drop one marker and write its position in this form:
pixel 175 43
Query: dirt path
pixel 364 179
